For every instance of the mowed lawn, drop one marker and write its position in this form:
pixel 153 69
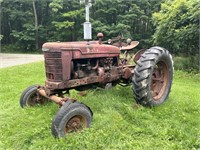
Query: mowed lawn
pixel 118 122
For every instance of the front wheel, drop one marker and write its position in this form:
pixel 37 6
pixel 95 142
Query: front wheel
pixel 72 117
pixel 153 77
pixel 30 97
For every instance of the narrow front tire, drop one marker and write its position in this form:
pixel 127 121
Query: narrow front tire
pixel 30 97
pixel 72 117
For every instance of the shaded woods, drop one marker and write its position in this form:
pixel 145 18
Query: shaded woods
pixel 173 24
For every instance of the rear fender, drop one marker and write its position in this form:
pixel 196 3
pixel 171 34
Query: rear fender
pixel 138 55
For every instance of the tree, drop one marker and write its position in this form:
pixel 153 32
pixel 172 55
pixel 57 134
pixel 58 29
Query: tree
pixel 31 23
pixel 129 18
pixel 67 19
pixel 24 23
pixel 177 26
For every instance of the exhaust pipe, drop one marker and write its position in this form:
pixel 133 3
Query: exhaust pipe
pixel 87 25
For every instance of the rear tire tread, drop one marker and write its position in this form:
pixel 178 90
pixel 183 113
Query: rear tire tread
pixel 143 72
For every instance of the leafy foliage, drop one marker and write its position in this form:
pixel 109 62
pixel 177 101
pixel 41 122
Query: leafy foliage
pixel 1 37
pixel 177 25
pixel 189 64
pixel 67 19
pixel 25 36
pixel 127 18
pixel 62 20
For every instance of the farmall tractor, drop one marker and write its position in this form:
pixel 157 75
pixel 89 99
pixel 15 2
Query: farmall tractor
pixel 82 65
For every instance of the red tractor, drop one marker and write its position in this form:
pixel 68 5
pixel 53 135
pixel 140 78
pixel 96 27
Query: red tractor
pixel 80 65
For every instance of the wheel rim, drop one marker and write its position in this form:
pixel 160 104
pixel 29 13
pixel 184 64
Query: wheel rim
pixel 159 80
pixel 35 98
pixel 75 124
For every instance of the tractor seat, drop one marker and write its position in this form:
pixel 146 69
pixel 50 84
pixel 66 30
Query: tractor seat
pixel 129 47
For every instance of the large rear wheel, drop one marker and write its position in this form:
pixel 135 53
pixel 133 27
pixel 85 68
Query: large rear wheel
pixel 153 77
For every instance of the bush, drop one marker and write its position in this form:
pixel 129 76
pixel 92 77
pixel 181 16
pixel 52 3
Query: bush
pixel 16 48
pixel 189 64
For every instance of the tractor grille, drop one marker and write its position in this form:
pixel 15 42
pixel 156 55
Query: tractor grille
pixel 53 65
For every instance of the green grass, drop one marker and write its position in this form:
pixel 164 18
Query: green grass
pixel 118 122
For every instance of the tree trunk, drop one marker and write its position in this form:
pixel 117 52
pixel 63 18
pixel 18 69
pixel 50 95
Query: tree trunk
pixel 36 25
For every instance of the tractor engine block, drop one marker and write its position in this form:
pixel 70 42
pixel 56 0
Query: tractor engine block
pixel 90 67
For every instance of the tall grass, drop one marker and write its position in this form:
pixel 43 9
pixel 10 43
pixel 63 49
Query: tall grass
pixel 187 64
pixel 118 122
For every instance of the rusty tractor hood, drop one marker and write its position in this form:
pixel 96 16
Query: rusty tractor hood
pixel 83 47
